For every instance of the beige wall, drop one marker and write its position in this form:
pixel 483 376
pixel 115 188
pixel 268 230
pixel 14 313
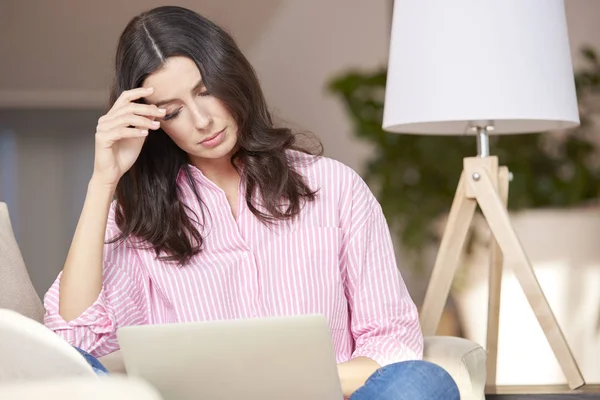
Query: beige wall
pixel 304 46
pixel 60 52
pixel 300 45
pixel 582 18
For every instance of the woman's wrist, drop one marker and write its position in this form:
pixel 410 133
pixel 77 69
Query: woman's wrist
pixel 354 373
pixel 97 186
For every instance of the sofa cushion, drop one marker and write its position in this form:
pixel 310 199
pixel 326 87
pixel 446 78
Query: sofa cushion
pixel 16 290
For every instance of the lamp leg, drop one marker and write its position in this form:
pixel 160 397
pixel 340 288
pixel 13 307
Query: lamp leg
pixel 447 260
pixel 495 286
pixel 479 183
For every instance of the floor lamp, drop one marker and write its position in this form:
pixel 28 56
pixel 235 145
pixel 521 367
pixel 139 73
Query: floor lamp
pixel 472 67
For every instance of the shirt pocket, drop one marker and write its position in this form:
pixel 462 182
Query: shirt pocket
pixel 305 275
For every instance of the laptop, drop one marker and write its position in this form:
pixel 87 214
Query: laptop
pixel 276 358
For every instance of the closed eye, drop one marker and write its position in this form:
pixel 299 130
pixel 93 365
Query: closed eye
pixel 176 113
pixel 172 115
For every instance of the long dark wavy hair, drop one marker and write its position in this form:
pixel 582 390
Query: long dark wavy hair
pixel 149 206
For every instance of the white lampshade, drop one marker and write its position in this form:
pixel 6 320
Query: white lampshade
pixel 453 62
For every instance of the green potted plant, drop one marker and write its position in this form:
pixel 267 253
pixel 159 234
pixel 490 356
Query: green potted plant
pixel 415 176
pixel 553 201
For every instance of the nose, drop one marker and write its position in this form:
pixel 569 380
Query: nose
pixel 201 116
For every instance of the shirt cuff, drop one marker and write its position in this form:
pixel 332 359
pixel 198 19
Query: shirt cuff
pixel 95 317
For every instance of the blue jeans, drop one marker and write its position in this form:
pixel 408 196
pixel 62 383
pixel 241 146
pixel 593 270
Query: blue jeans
pixel 93 361
pixel 414 380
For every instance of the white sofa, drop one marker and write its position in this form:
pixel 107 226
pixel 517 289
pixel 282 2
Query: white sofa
pixel 114 388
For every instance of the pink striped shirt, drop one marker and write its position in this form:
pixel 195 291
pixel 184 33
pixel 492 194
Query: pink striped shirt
pixel 335 259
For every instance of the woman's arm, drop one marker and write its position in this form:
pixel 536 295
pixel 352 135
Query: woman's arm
pixel 117 146
pixel 121 301
pixel 384 319
pixel 81 279
pixel 354 373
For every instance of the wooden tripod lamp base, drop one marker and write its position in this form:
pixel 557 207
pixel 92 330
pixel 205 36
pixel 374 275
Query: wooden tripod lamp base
pixel 485 184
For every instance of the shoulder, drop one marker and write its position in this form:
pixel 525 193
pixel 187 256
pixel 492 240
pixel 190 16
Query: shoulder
pixel 321 168
pixel 332 176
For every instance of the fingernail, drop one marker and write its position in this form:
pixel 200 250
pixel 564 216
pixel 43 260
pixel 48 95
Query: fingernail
pixel 162 110
pixel 155 123
pixel 144 132
pixel 149 89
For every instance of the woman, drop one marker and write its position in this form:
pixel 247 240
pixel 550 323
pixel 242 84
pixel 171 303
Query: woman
pixel 219 215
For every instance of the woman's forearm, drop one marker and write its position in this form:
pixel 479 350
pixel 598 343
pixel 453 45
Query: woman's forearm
pixel 354 373
pixel 81 279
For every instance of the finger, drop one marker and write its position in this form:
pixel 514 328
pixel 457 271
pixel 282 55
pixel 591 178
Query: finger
pixel 131 95
pixel 122 133
pixel 141 109
pixel 128 120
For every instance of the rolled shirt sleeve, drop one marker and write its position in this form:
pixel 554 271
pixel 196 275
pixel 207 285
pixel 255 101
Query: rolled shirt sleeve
pixel 121 302
pixel 384 319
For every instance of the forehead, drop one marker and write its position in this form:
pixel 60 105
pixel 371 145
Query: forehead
pixel 176 78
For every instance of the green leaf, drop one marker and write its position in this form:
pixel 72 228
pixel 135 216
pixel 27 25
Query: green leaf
pixel 416 175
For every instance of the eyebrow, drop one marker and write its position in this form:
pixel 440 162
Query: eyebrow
pixel 163 102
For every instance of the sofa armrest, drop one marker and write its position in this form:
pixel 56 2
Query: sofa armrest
pixel 463 359
pixel 30 351
pixel 79 388
pixel 114 363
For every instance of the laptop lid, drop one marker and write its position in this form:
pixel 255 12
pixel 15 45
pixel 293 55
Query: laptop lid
pixel 273 358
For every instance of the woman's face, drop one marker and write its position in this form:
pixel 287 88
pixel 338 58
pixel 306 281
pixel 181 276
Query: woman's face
pixel 196 121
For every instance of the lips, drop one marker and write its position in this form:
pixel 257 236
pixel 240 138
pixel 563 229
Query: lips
pixel 212 136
